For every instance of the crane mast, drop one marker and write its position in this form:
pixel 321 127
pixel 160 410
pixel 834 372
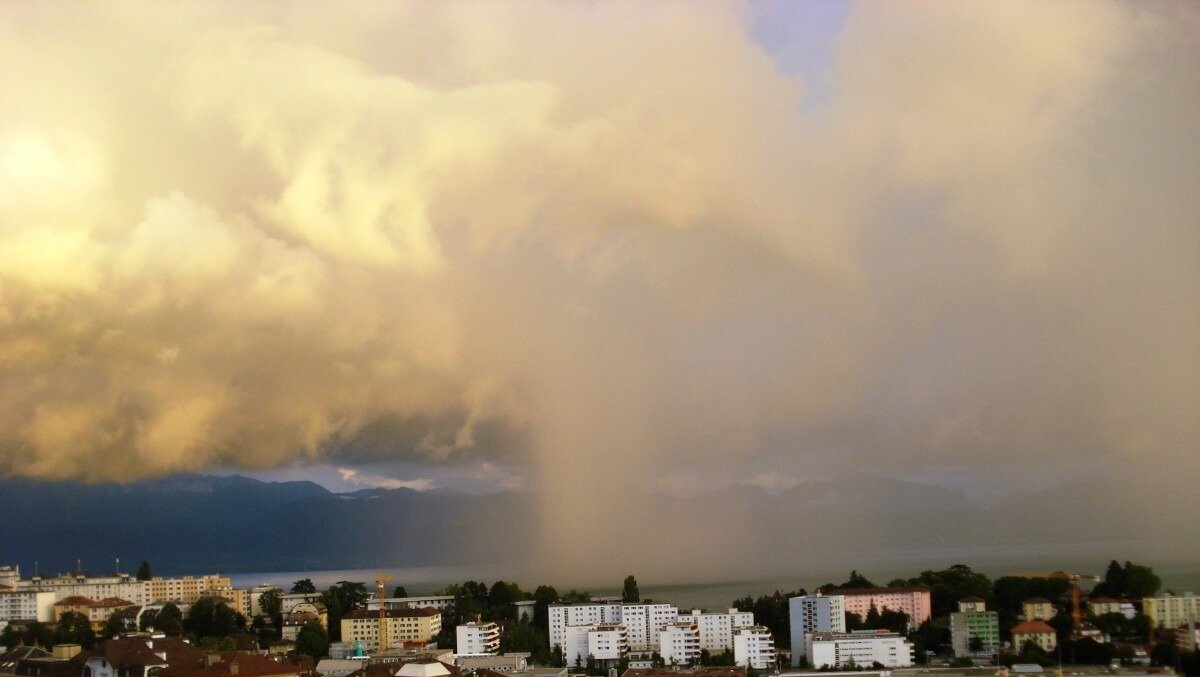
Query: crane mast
pixel 380 595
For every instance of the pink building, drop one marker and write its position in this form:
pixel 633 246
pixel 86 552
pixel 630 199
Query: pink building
pixel 913 601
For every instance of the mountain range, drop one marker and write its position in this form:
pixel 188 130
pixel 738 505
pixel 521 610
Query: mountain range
pixel 200 523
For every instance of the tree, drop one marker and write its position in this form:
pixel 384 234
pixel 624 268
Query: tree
pixel 114 626
pixel 74 628
pixel 630 593
pixel 143 572
pixel 340 599
pixel 975 644
pixel 169 620
pixel 1164 653
pixel 400 592
pixel 271 602
pixel 543 597
pixel 211 617
pixel 312 640
pixel 1140 581
pixel 304 585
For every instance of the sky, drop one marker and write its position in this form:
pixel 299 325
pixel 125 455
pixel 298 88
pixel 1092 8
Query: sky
pixel 597 249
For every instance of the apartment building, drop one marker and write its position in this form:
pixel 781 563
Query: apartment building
pixel 400 625
pixel 26 605
pixel 716 629
pixel 974 622
pixel 603 642
pixel 679 642
pixel 579 614
pixel 1039 632
pixel 439 602
pixel 912 600
pixel 862 648
pixel 754 647
pixel 1037 609
pixel 644 622
pixel 814 613
pixel 1172 611
pixel 477 639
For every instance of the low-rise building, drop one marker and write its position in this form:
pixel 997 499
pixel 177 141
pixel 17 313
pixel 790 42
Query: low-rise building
pixel 439 602
pixel 679 642
pixel 1038 632
pixel 754 646
pixel 509 663
pixel 862 648
pixel 301 614
pixel 477 639
pixel 400 625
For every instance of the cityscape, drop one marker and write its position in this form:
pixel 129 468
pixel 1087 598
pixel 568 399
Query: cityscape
pixel 599 338
pixel 952 619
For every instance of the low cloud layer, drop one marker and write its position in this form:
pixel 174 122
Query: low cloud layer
pixel 613 245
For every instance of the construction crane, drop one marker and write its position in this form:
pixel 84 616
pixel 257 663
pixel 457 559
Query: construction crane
pixel 1073 578
pixel 380 581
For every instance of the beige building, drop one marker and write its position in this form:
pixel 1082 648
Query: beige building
pixel 1172 611
pixel 400 625
pixel 1037 609
pixel 1038 631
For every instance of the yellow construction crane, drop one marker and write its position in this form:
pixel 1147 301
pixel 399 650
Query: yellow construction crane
pixel 1076 610
pixel 380 594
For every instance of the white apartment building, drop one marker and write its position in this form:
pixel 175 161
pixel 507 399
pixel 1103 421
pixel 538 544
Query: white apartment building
pixel 863 648
pixel 477 639
pixel 645 621
pixel 439 602
pixel 716 629
pixel 754 646
pixel 814 613
pixel 679 642
pixel 1172 611
pixel 606 642
pixel 26 605
pixel 579 614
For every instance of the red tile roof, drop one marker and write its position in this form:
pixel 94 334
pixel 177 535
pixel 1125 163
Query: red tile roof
pixel 1032 628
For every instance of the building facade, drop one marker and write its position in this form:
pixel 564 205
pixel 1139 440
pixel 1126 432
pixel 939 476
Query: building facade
pixel 605 643
pixel 18 605
pixel 643 622
pixel 914 601
pixel 400 625
pixel 717 629
pixel 679 643
pixel 477 639
pixel 814 613
pixel 754 647
pixel 1039 632
pixel 863 648
pixel 1172 611
pixel 1037 609
pixel 983 626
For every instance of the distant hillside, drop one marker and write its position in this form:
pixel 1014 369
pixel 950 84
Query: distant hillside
pixel 192 523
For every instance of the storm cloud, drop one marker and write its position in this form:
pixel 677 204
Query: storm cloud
pixel 618 246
